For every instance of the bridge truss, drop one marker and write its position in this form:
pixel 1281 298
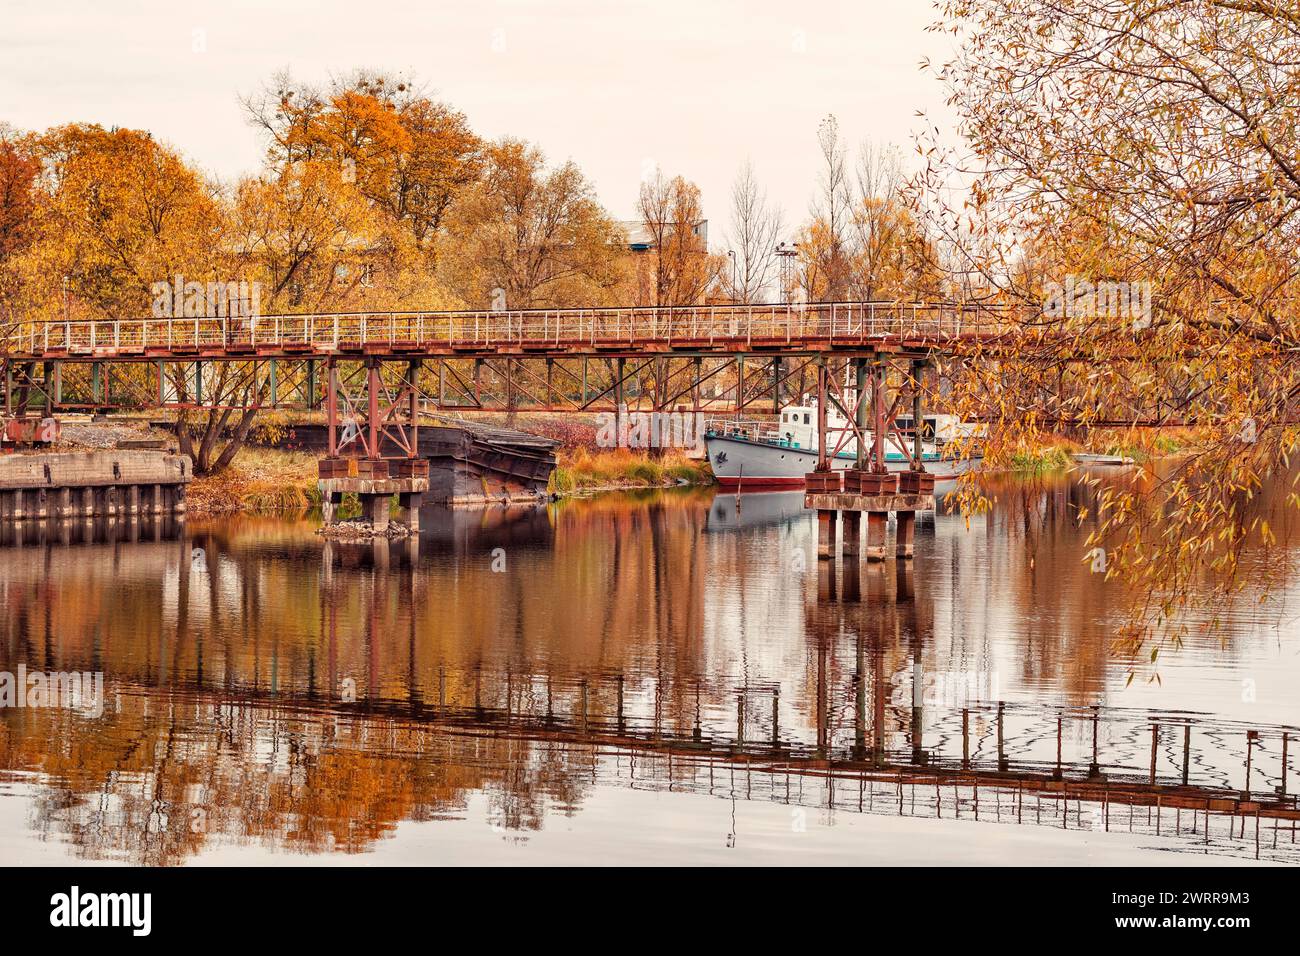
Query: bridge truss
pixel 374 374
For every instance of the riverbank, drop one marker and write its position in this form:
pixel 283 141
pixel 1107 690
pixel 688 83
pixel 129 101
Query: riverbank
pixel 1057 452
pixel 260 481
pixel 619 469
pixel 265 480
pixel 270 480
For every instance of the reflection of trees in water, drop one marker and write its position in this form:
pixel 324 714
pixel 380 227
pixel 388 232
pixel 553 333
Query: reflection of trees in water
pixel 1039 528
pixel 602 604
pixel 307 783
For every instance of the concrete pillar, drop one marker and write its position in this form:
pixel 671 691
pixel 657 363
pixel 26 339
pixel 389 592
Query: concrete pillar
pixel 375 509
pixel 877 525
pixel 906 534
pixel 852 533
pixel 408 509
pixel 826 521
pixel 133 500
pixel 63 503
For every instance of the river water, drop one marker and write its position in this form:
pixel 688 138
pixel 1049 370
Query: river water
pixel 656 677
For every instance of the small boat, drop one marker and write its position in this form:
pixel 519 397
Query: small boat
pixel 1087 458
pixel 752 454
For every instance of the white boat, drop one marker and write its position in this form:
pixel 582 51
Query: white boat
pixel 1086 458
pixel 764 454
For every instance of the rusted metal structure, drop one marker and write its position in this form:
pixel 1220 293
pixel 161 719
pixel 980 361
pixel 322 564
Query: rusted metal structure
pixel 374 372
pixel 869 488
pixel 470 462
pixel 364 413
pixel 553 360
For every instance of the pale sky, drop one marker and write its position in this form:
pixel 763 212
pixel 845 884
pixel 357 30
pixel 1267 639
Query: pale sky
pixel 618 85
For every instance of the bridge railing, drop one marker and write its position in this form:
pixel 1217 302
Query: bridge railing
pixel 839 322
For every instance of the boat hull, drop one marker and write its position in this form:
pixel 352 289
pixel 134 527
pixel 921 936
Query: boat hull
pixel 750 465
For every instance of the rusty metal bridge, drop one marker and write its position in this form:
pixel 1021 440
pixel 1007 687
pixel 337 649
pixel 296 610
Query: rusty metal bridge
pixel 377 374
pixel 733 329
pixel 724 359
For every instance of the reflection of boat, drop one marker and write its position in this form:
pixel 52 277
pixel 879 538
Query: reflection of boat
pixel 759 509
pixel 752 454
pixel 469 530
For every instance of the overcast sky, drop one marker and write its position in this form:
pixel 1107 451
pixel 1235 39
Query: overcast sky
pixel 618 85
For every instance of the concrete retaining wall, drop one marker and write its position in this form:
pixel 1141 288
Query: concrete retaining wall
pixel 92 483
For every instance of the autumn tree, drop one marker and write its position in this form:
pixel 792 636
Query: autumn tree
pixel 407 153
pixel 116 211
pixel 534 232
pixel 678 269
pixel 863 240
pixel 1136 144
pixel 18 171
pixel 890 257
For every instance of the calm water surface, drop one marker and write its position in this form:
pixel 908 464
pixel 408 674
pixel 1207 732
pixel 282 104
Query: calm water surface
pixel 666 677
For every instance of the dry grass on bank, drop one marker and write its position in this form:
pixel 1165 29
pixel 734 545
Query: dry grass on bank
pixel 1140 444
pixel 623 468
pixel 260 480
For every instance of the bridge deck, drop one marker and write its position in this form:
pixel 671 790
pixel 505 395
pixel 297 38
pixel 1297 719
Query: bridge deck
pixel 726 329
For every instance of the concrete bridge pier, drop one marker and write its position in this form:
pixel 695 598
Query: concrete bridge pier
pixel 827 522
pixel 905 534
pixel 374 481
pixel 832 506
pixel 877 531
pixel 852 533
pixel 408 509
pixel 375 509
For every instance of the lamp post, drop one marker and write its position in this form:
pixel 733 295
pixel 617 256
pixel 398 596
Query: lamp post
pixel 786 253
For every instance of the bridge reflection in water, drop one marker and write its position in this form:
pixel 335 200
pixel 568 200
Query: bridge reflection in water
pixel 267 687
